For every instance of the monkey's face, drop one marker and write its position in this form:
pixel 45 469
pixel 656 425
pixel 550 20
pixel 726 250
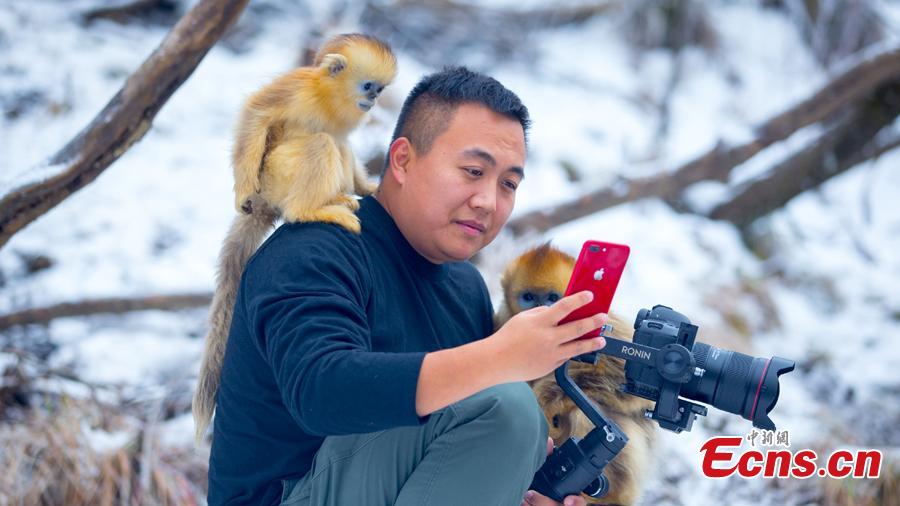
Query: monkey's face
pixel 370 70
pixel 452 201
pixel 367 93
pixel 521 296
pixel 538 277
pixel 534 297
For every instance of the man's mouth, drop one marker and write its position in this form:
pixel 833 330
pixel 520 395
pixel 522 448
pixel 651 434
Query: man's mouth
pixel 472 227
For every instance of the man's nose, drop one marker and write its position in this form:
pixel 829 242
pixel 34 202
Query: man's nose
pixel 485 198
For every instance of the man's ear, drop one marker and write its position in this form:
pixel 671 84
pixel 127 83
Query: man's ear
pixel 400 156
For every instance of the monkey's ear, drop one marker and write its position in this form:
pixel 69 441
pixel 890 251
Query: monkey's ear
pixel 334 62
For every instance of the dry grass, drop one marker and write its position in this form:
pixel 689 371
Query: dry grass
pixel 881 491
pixel 50 460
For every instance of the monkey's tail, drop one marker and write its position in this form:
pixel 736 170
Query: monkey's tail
pixel 244 236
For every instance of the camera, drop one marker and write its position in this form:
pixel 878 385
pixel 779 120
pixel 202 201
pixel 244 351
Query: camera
pixel 724 379
pixel 665 365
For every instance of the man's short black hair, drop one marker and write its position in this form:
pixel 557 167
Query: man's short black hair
pixel 432 102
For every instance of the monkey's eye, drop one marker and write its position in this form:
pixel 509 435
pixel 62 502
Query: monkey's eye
pixel 553 297
pixel 556 421
pixel 380 89
pixel 527 300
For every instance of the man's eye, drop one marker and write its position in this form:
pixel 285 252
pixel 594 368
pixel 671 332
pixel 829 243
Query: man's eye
pixel 511 185
pixel 474 172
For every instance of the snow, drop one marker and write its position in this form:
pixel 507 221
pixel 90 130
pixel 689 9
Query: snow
pixel 109 356
pixel 102 441
pixel 153 221
pixel 37 174
pixel 178 432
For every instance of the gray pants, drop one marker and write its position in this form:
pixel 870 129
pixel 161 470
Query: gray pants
pixel 482 450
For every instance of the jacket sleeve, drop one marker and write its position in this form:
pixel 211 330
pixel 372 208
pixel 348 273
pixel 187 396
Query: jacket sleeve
pixel 305 296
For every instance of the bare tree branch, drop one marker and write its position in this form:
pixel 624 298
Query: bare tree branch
pixel 852 87
pixel 715 165
pixel 135 9
pixel 126 118
pixel 99 306
pixel 853 141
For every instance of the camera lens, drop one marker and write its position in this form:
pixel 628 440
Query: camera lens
pixel 737 383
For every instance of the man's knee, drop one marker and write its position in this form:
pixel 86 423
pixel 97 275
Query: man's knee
pixel 512 411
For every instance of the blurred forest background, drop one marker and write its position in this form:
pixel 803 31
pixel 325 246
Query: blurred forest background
pixel 745 150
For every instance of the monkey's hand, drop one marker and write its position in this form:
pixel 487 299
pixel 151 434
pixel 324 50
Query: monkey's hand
pixel 533 343
pixel 244 192
pixel 361 184
pixel 334 63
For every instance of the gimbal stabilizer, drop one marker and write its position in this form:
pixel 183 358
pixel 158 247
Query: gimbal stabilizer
pixel 662 363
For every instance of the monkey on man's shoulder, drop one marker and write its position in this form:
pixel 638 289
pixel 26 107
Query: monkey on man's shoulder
pixel 540 277
pixel 292 160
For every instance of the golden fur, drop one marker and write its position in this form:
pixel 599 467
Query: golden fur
pixel 299 123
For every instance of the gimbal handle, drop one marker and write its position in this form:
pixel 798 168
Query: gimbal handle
pixel 584 403
pixel 577 466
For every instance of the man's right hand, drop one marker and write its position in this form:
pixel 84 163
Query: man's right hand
pixel 529 346
pixel 532 343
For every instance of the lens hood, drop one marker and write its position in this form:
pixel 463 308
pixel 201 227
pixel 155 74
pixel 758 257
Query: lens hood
pixel 767 392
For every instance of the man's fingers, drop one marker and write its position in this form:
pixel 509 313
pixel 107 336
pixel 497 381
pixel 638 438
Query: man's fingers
pixel 582 346
pixel 570 303
pixel 568 331
pixel 532 498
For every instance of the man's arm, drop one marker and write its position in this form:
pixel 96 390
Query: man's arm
pixel 304 295
pixel 529 346
pixel 451 375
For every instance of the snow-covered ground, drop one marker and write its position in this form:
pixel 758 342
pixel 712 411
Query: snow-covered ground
pixel 152 222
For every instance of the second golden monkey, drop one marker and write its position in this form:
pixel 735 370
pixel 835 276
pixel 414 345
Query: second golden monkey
pixel 291 159
pixel 540 277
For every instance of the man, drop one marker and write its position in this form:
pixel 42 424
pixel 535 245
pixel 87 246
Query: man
pixel 358 370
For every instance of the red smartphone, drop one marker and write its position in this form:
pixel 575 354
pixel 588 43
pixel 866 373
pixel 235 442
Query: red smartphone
pixel 598 269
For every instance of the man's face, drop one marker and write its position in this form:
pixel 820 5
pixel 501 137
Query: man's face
pixel 452 201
